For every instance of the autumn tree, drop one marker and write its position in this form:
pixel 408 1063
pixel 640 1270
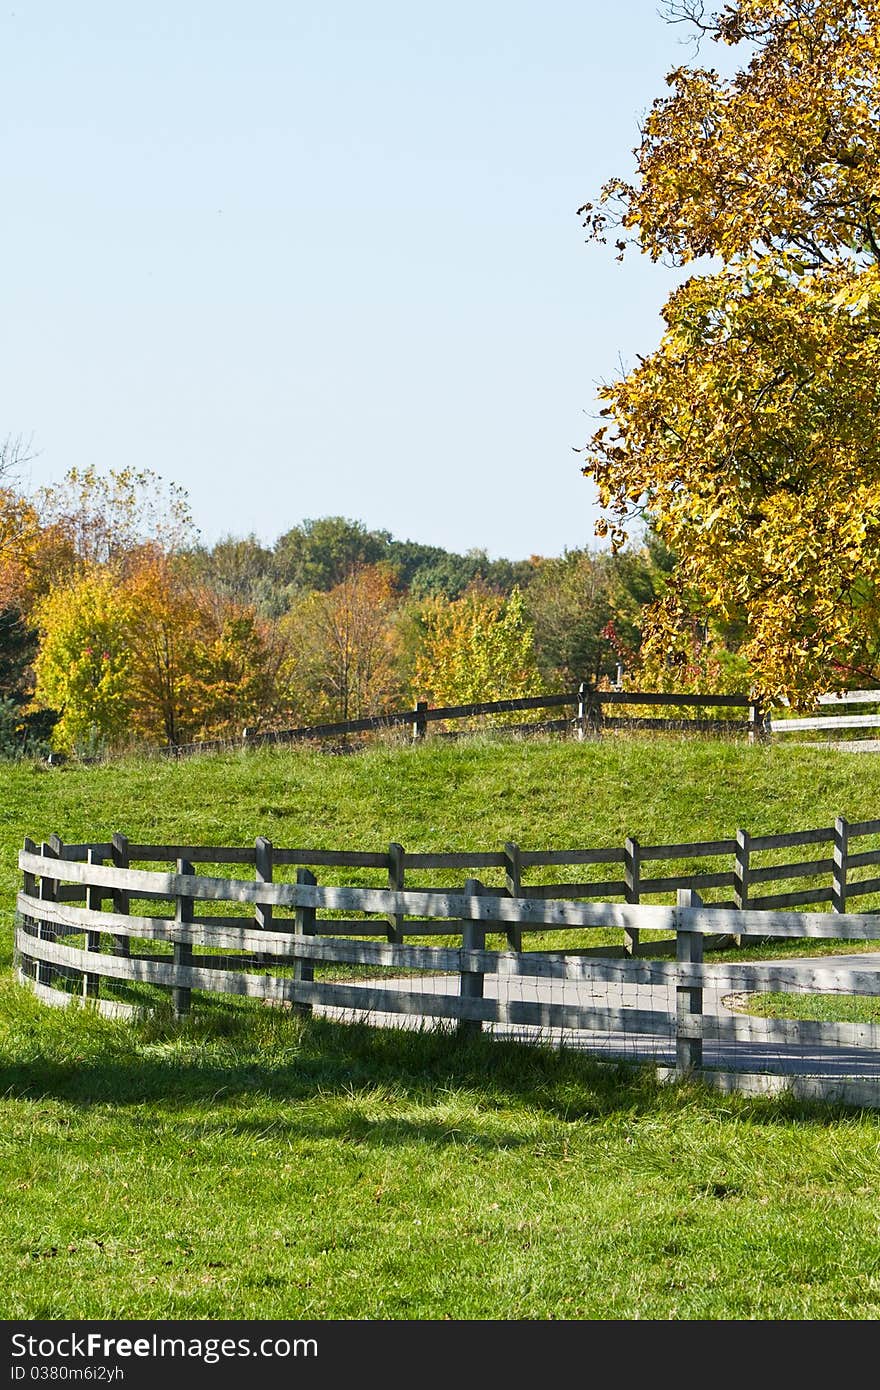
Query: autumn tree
pixel 105 517
pixel 84 665
pixel 586 608
pixel 478 647
pixel 235 675
pixel 751 436
pixel 343 648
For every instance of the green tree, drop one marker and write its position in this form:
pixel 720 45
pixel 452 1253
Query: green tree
pixel 22 730
pixel 319 554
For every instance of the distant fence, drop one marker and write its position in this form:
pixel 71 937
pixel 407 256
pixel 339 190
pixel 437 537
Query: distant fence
pixel 264 936
pixel 831 722
pixel 588 718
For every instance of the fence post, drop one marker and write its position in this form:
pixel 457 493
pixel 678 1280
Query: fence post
pixel 304 970
pixel 689 1001
pixel 513 885
pixel 94 902
pixel 632 871
pixel 583 690
pixel 263 874
pixel 181 995
pixel 741 872
pixel 29 885
pixel 841 855
pixel 48 893
pixel 589 712
pixel 121 899
pixel 420 723
pixel 757 727
pixel 473 938
pixel 396 872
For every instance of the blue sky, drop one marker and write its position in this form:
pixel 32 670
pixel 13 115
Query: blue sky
pixel 323 258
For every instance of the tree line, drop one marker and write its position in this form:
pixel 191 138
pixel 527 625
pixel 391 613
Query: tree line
pixel 118 628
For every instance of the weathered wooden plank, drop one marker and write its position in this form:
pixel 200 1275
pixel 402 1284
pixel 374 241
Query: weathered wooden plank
pixel 788 1032
pixel 610 888
pixel 535 858
pixel 546 915
pixel 61 999
pixel 196 854
pixel 806 869
pixel 801 898
pixel 864 827
pixel 743 976
pixel 464 859
pixel 837 1090
pixel 370 998
pixel 304 928
pixel 71 893
pixel 632 871
pixel 119 854
pixel 346 726
pixel 500 706
pixel 181 996
pixel 862 887
pixel 81 852
pixel 795 837
pixel 688 998
pixel 92 983
pixel 849 926
pixel 863 860
pixel 697 850
pixel 742 875
pixel 396 880
pixel 471 982
pixel 47 892
pixel 513 885
pixel 818 723
pixel 319 858
pixel 697 880
pixel 840 865
pixel 229 931
pixel 264 872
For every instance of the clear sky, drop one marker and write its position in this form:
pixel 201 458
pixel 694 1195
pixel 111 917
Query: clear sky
pixel 314 257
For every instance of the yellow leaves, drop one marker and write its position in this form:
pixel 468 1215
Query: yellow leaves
pixel 757 456
pixel 479 647
pixel 782 155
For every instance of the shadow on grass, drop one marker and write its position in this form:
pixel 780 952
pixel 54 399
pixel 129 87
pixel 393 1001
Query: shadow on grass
pixel 225 1056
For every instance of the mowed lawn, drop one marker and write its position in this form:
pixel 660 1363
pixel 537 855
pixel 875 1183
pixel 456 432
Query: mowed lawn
pixel 251 1165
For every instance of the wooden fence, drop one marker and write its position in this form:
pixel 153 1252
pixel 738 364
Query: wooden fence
pixel 832 722
pixel 263 936
pixel 588 718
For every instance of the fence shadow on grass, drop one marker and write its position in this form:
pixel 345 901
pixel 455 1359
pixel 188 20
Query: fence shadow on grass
pixel 299 1062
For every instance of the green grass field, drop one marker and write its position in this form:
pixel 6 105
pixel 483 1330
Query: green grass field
pixel 252 1165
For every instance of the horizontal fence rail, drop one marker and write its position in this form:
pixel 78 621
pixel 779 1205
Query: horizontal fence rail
pixel 102 923
pixel 588 718
pixel 835 722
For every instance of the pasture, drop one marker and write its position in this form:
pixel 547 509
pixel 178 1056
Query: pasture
pixel 250 1164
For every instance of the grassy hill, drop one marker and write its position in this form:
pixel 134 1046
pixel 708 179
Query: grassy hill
pixel 253 1165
